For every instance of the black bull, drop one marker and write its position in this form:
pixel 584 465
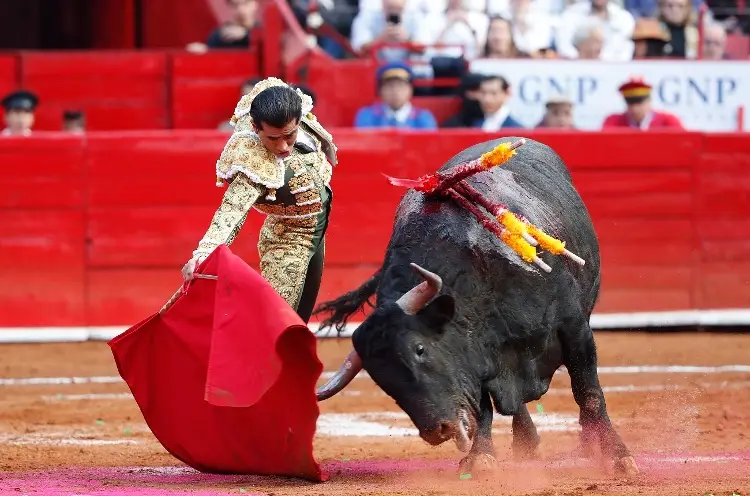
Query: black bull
pixel 474 325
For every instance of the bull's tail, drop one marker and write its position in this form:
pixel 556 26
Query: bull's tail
pixel 343 307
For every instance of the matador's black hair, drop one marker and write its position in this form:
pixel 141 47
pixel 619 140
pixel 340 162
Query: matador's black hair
pixel 276 106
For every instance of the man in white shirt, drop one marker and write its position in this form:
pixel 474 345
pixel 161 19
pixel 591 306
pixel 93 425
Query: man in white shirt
pixel 588 39
pixel 392 24
pixel 457 25
pixel 618 25
pixel 533 27
pixel 19 109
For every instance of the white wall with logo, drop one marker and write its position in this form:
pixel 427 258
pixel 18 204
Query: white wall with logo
pixel 704 95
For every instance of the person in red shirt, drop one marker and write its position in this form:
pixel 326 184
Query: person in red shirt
pixel 640 114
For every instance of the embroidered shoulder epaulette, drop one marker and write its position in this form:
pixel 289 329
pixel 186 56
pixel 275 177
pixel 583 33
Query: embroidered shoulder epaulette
pixel 244 153
pixel 326 140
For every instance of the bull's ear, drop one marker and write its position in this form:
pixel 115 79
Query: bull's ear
pixel 439 311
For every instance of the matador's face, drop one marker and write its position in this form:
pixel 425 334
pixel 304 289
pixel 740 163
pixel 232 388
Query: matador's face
pixel 278 140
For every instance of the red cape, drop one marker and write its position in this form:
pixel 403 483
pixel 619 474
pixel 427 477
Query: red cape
pixel 225 378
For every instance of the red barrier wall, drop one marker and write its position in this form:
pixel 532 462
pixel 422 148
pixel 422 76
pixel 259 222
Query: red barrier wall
pixel 94 230
pixel 131 90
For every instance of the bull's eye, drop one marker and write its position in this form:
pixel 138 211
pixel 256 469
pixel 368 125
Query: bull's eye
pixel 420 350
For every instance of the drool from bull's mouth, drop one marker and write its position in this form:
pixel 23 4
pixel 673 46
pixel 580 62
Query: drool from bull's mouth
pixel 463 437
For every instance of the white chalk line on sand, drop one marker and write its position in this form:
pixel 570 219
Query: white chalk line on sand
pixel 620 369
pixel 171 470
pixel 60 438
pixel 366 424
pixel 628 388
pixel 380 424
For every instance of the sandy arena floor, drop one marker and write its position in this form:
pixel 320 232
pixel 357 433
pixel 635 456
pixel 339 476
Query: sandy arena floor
pixel 680 401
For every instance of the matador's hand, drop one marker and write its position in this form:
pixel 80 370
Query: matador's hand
pixel 189 268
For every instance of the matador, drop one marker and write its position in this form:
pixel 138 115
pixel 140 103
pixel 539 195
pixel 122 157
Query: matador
pixel 279 161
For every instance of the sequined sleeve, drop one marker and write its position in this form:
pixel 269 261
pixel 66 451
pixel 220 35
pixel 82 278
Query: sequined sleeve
pixel 231 214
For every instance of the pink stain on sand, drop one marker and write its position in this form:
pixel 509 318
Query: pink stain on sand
pixel 175 480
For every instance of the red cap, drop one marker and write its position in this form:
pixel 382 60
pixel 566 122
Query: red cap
pixel 635 88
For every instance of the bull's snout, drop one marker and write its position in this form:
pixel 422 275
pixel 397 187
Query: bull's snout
pixel 443 432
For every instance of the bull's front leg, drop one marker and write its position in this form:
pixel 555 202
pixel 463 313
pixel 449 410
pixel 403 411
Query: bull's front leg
pixel 579 356
pixel 525 437
pixel 481 457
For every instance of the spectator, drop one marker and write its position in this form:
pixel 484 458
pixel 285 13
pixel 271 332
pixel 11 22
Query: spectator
pixel 456 25
pixel 726 13
pixel 532 28
pixel 618 25
pixel 338 14
pixel 74 122
pixel 470 110
pixel 680 19
pixel 500 44
pixel 588 39
pixel 558 113
pixel 494 93
pixel 647 8
pixel 649 39
pixel 235 33
pixel 715 42
pixel 19 109
pixel 552 8
pixel 436 6
pixel 639 114
pixel 246 88
pixel 395 109
pixel 391 24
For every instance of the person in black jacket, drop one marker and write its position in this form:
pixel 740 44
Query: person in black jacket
pixel 470 110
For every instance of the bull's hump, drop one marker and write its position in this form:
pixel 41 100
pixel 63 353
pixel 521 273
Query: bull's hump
pixel 423 219
pixel 502 186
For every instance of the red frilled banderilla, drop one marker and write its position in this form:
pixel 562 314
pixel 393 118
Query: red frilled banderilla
pixel 515 231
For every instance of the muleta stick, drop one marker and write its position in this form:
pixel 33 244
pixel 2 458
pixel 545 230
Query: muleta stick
pixel 182 290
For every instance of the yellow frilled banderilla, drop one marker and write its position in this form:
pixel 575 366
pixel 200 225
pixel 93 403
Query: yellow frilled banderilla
pixel 518 233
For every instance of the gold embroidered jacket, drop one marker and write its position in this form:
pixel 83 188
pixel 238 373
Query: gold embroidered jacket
pixel 293 192
pixel 287 188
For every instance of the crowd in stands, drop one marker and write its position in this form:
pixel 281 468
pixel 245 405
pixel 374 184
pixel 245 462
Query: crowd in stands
pixel 485 105
pixel 447 33
pixel 612 30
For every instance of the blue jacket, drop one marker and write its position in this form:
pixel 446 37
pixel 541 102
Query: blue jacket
pixel 508 122
pixel 375 116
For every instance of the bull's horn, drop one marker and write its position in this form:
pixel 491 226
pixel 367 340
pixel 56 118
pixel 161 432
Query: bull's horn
pixel 413 301
pixel 350 368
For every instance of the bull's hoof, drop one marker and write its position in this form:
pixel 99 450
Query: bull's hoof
pixel 477 463
pixel 626 466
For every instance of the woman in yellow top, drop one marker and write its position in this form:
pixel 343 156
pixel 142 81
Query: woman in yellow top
pixel 279 161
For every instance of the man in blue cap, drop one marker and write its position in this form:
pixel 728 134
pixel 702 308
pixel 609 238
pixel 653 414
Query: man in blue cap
pixel 19 109
pixel 395 109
